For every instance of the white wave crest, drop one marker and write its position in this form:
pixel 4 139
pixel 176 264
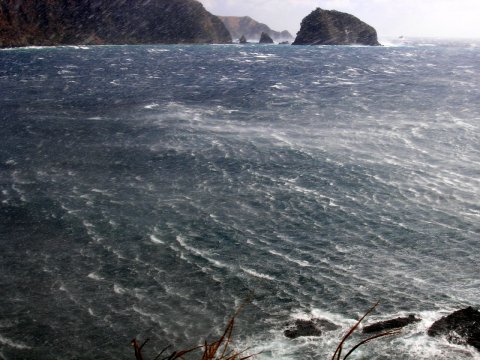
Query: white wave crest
pixel 13 344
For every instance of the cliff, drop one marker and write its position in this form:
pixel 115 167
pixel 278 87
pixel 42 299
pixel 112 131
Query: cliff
pixel 245 25
pixel 324 27
pixel 71 22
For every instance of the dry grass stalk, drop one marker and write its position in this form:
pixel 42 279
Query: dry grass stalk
pixel 217 350
pixel 338 351
pixel 220 349
pixel 387 333
pixel 138 348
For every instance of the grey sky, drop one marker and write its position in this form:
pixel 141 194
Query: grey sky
pixel 436 18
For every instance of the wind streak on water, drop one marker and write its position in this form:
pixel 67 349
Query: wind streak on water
pixel 145 191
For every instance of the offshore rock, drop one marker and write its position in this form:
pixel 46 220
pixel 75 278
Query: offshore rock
pixel 396 323
pixel 461 327
pixel 67 22
pixel 265 39
pixel 252 29
pixel 313 327
pixel 242 40
pixel 324 27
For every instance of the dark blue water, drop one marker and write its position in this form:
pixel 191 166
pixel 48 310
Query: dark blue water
pixel 148 190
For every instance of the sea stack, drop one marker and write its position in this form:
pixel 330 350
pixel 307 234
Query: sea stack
pixel 265 39
pixel 330 27
pixel 60 22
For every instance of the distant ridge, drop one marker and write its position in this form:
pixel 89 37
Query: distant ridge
pixel 251 29
pixel 62 22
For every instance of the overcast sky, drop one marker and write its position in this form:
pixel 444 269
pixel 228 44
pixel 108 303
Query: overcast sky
pixel 433 18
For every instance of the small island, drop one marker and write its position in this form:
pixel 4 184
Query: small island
pixel 325 27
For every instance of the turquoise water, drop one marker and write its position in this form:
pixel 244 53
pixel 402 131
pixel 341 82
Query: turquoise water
pixel 148 190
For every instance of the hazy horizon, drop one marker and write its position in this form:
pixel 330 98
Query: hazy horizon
pixel 429 18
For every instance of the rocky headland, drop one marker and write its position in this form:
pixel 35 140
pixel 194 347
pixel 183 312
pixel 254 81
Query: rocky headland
pixel 330 27
pixel 251 29
pixel 64 22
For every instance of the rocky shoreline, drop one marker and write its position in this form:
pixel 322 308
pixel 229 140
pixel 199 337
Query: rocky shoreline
pixel 461 327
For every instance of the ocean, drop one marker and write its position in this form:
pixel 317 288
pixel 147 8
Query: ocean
pixel 149 191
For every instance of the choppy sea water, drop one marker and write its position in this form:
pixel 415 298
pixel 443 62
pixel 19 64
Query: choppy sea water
pixel 146 191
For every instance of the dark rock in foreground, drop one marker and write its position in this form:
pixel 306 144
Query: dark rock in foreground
pixel 265 39
pixel 324 27
pixel 60 22
pixel 312 327
pixel 242 40
pixel 396 323
pixel 461 327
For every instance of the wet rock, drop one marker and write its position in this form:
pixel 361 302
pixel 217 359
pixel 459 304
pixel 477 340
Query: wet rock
pixel 242 40
pixel 396 323
pixel 325 27
pixel 265 39
pixel 461 327
pixel 313 327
